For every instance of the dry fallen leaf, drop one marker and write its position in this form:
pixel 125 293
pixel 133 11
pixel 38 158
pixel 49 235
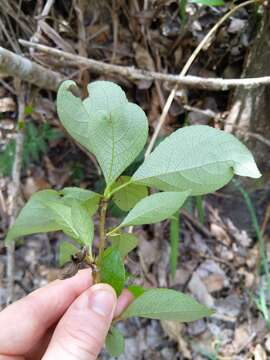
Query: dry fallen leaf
pixel 7 104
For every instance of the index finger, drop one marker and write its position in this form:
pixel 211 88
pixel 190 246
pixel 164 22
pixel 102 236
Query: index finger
pixel 27 320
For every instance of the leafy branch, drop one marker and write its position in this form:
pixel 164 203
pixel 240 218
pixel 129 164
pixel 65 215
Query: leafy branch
pixel 115 131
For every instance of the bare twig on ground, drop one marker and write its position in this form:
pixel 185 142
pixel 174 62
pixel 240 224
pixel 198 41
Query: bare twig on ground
pixel 26 70
pixel 44 13
pixel 186 68
pixel 14 191
pixel 130 72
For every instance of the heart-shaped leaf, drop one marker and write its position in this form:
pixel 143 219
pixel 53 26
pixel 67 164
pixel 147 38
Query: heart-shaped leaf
pixel 166 304
pixel 105 123
pixel 199 158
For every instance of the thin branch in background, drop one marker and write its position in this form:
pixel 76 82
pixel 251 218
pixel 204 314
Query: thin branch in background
pixel 186 68
pixel 15 65
pixel 14 191
pixel 44 14
pixel 132 73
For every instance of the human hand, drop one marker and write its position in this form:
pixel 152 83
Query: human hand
pixel 65 320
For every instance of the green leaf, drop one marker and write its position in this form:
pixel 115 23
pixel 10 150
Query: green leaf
pixel 209 2
pixel 166 304
pixel 136 290
pixel 66 249
pixel 127 197
pixel 155 208
pixel 115 342
pixel 83 224
pixel 62 216
pixel 89 199
pixel 35 217
pixel 105 123
pixel 199 158
pixel 124 242
pixel 112 270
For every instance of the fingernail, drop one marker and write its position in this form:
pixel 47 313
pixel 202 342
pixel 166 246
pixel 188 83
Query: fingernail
pixel 103 302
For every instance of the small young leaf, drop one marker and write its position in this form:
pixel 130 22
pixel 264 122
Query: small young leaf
pixel 66 249
pixel 89 199
pixel 82 223
pixel 115 342
pixel 166 304
pixel 155 208
pixel 62 216
pixel 105 123
pixel 127 197
pixel 124 242
pixel 199 158
pixel 136 290
pixel 112 270
pixel 35 217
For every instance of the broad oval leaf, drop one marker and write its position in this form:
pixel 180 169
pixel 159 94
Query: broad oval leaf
pixel 89 199
pixel 105 123
pixel 83 224
pixel 199 158
pixel 112 270
pixel 115 342
pixel 166 304
pixel 35 217
pixel 66 249
pixel 127 197
pixel 124 242
pixel 62 216
pixel 155 208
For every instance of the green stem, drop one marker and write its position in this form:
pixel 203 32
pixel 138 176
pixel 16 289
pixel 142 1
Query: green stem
pixel 108 193
pixel 102 220
pixel 114 230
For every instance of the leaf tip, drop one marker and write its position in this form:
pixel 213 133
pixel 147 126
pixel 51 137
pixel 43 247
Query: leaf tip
pixel 248 169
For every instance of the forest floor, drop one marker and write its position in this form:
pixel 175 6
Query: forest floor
pixel 219 250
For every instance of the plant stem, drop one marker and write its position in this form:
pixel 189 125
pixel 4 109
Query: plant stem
pixel 108 194
pixel 102 220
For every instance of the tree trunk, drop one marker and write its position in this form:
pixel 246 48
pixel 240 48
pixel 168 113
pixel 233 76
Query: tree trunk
pixel 250 110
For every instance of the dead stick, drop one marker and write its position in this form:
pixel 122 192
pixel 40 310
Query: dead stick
pixel 14 191
pixel 26 70
pixel 130 72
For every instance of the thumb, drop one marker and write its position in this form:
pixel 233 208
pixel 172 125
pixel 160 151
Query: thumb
pixel 81 332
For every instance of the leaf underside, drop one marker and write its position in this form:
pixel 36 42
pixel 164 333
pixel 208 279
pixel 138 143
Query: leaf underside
pixel 198 158
pixel 35 217
pixel 105 123
pixel 155 208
